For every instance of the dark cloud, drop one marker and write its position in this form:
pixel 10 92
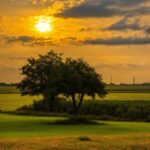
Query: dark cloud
pixel 124 24
pixel 105 8
pixel 130 2
pixel 147 31
pixel 86 29
pixel 22 39
pixel 26 40
pixel 118 41
pixel 33 41
pixel 85 10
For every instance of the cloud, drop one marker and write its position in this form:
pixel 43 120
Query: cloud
pixel 105 8
pixel 118 41
pixel 125 24
pixel 33 41
pixel 22 39
pixel 122 66
pixel 25 40
pixel 147 31
pixel 84 10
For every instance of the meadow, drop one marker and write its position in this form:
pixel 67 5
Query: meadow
pixel 11 99
pixel 19 132
pixel 36 133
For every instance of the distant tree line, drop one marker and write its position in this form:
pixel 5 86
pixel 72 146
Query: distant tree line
pixel 8 84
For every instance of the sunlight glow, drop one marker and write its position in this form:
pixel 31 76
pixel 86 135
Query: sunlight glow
pixel 43 24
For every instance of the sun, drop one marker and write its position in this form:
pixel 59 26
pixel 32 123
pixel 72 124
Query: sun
pixel 43 24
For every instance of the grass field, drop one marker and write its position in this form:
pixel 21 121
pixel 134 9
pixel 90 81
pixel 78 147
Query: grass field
pixel 10 102
pixel 128 88
pixel 10 99
pixel 8 90
pixel 75 143
pixel 35 133
pixel 109 88
pixel 31 126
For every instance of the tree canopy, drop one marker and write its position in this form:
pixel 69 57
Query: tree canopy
pixel 50 75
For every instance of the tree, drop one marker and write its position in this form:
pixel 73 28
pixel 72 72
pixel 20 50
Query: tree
pixel 42 76
pixel 79 80
pixel 51 76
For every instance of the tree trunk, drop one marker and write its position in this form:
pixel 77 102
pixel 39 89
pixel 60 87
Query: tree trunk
pixel 46 103
pixel 49 101
pixel 76 106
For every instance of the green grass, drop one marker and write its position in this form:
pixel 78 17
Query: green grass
pixel 109 88
pixel 30 126
pixel 128 96
pixel 10 99
pixel 8 90
pixel 36 133
pixel 10 102
pixel 128 88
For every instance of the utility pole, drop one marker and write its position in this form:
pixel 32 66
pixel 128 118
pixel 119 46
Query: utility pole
pixel 133 80
pixel 111 80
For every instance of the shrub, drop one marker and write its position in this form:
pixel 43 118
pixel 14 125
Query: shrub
pixel 84 138
pixel 105 110
pixel 119 112
pixel 148 119
pixel 75 120
pixel 133 113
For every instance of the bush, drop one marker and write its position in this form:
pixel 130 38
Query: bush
pixel 106 117
pixel 75 121
pixel 148 119
pixel 119 112
pixel 133 113
pixel 84 138
pixel 105 110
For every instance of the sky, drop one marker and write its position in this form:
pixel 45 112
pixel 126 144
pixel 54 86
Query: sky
pixel 111 35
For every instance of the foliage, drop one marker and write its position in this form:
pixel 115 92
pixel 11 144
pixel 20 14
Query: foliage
pixel 32 126
pixel 104 110
pixel 79 80
pixel 50 76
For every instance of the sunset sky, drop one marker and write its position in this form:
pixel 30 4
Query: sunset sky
pixel 111 35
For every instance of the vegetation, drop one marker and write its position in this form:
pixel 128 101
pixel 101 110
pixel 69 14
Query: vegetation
pixel 142 88
pixel 132 142
pixel 36 133
pixel 10 102
pixel 103 110
pixel 123 102
pixel 9 90
pixel 123 89
pixel 12 126
pixel 76 120
pixel 50 76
